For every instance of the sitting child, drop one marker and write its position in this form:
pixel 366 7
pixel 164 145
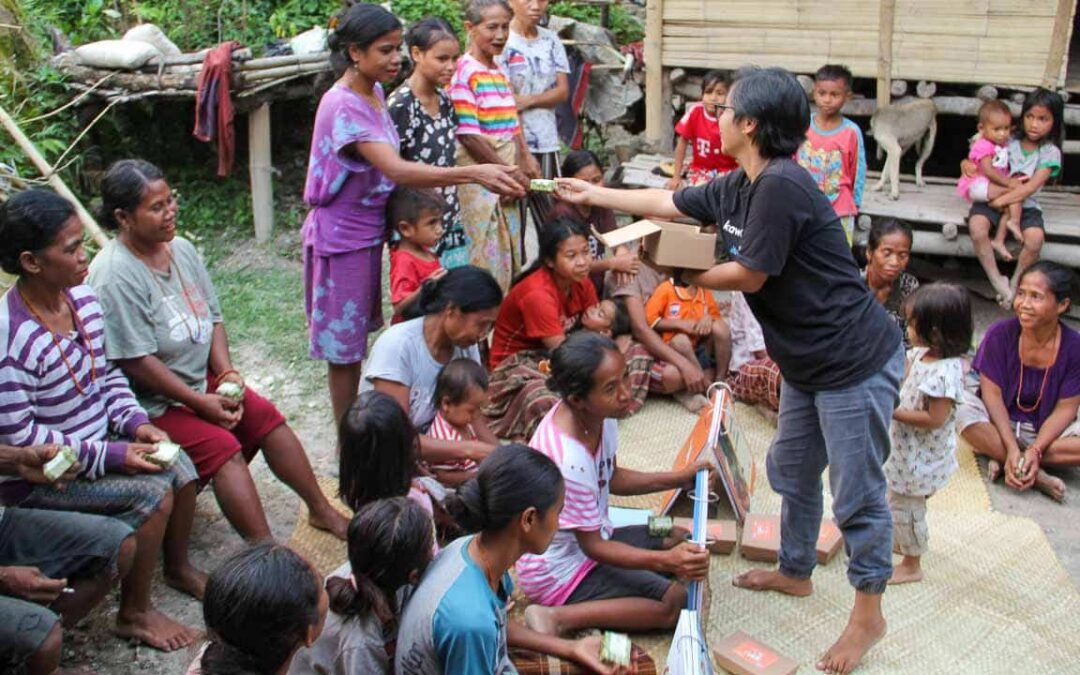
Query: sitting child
pixel 460 392
pixel 683 315
pixel 753 376
pixel 390 544
pixel 261 605
pixel 990 153
pixel 417 215
pixel 923 453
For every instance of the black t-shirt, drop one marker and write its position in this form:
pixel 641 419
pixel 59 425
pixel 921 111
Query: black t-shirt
pixel 821 324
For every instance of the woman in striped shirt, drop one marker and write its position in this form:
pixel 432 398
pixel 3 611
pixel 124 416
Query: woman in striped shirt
pixel 489 131
pixel 58 388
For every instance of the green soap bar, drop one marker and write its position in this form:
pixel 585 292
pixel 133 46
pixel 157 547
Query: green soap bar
pixel 542 185
pixel 660 526
pixel 615 648
pixel 231 390
pixel 58 465
pixel 165 454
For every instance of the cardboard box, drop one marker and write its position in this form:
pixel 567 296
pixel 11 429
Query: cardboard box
pixel 829 542
pixel 761 538
pixel 744 655
pixel 667 244
pixel 721 534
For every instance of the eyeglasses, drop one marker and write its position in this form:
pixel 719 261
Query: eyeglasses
pixel 723 106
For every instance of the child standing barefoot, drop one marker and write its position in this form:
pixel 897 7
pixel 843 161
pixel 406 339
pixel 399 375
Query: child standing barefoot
pixel 417 215
pixel 700 129
pixel 923 436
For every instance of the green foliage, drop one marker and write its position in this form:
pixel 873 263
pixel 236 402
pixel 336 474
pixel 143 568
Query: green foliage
pixel 414 10
pixel 625 26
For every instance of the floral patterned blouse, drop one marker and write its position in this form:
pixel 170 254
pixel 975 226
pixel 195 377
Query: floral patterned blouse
pixel 432 140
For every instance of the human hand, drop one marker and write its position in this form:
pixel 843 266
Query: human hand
pixel 234 377
pixel 524 101
pixel 30 584
pixel 969 168
pixel 135 462
pixel 689 478
pixel 530 166
pixel 673 183
pixel 688 561
pixel 148 433
pixel 1017 181
pixel 575 190
pixel 1017 469
pixel 693 377
pixel 31 466
pixel 586 652
pixel 220 410
pixel 507 181
pixel 703 326
pixel 625 263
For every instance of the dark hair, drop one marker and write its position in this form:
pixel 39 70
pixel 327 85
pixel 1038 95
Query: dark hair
pixel 883 227
pixel 258 608
pixel 1059 278
pixel 468 288
pixel 1053 102
pixel 550 237
pixel 574 363
pixel 991 107
pixel 474 9
pixel 578 160
pixel 620 325
pixel 713 78
pixel 408 204
pixel 360 25
pixel 30 221
pixel 379 450
pixel 124 187
pixel 456 379
pixel 429 31
pixel 388 540
pixel 775 100
pixel 832 72
pixel 941 314
pixel 511 479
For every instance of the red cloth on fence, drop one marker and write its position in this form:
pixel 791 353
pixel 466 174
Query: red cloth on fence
pixel 213 104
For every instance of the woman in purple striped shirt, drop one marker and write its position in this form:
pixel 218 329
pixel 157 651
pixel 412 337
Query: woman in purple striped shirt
pixel 57 387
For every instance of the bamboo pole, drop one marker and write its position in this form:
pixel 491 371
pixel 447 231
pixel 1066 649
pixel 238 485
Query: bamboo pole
pixel 1059 44
pixel 54 180
pixel 654 71
pixel 261 169
pixel 886 21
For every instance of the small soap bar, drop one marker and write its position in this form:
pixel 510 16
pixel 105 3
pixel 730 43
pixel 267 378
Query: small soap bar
pixel 64 459
pixel 231 390
pixel 615 648
pixel 542 185
pixel 660 526
pixel 165 454
pixel 743 654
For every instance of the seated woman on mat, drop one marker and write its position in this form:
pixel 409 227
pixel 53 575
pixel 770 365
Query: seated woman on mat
pixel 166 332
pixel 456 620
pixel 1024 417
pixel 592 575
pixel 58 389
pixel 457 311
pixel 888 250
pixel 543 304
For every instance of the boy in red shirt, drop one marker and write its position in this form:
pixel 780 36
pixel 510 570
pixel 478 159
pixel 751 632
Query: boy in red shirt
pixel 417 215
pixel 834 152
pixel 700 129
pixel 683 315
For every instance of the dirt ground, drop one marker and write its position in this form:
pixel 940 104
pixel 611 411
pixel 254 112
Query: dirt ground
pixel 91 647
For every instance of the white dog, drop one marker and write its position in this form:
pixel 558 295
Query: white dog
pixel 896 128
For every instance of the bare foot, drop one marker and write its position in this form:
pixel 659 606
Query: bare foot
pixel 993 470
pixel 1051 486
pixel 156 630
pixel 846 653
pixel 1004 292
pixel 773 580
pixel 331 521
pixel 1014 228
pixel 187 579
pixel 692 402
pixel 541 619
pixel 908 571
pixel 1002 250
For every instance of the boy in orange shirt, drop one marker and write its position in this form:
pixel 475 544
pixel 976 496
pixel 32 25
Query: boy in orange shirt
pixel 683 315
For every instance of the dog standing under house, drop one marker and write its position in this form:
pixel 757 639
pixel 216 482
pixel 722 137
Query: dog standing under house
pixel 896 128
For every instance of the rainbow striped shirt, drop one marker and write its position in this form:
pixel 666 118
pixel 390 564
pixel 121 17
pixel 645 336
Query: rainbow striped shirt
pixel 483 100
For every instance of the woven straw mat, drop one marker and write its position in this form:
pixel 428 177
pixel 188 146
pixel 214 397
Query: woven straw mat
pixel 322 549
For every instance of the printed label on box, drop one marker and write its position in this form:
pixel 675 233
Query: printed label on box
pixel 755 654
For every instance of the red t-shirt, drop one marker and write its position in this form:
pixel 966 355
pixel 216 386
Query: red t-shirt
pixel 536 309
pixel 702 133
pixel 407 273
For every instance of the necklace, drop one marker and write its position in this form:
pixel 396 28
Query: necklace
pixel 80 330
pixel 195 316
pixel 1046 372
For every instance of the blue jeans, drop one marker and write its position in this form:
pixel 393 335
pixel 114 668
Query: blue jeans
pixel 848 431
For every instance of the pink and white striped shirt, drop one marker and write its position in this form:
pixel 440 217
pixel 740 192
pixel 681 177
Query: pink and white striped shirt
pixel 444 431
pixel 551 577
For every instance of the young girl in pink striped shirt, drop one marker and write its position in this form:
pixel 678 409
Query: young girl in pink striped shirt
pixel 460 393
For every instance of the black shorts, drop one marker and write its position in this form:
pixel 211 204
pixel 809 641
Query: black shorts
pixel 605 582
pixel 1029 217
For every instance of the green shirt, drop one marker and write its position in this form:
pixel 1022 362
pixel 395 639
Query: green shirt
pixel 148 313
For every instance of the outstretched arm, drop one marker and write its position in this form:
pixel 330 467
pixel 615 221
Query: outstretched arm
pixel 650 202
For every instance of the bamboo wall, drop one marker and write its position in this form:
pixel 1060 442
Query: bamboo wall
pixel 1018 42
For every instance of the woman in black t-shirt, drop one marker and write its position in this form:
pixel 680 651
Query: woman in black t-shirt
pixel 838 351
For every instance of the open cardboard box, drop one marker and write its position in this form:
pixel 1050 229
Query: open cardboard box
pixel 667 244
